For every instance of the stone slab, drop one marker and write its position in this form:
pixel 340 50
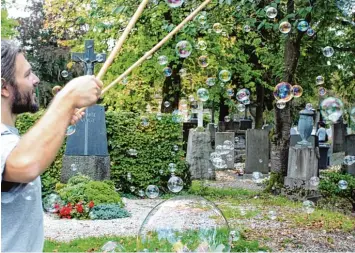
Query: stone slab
pixel 302 163
pixel 257 151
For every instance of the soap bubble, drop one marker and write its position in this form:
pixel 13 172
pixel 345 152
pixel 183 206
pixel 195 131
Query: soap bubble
pixel 349 160
pixel 144 121
pixel 242 94
pixel 224 75
pixel 132 152
pixel 246 101
pixel 308 206
pixel 73 167
pixel 141 193
pixel 201 45
pixel 56 89
pixel 152 191
pixel 203 94
pixel 271 12
pixel 175 184
pixel 167 71
pixel 211 81
pixel 214 155
pixel 310 32
pixel 297 91
pixel 132 188
pixel 159 116
pixel 52 202
pixel 309 106
pixel 217 28
pixel 319 80
pixel 219 163
pixel 283 91
pixel 176 148
pixel 236 139
pixel 174 3
pixel 241 107
pixel 172 167
pixel 234 236
pixel 129 176
pixel 280 104
pixel 64 73
pixel 272 215
pixel 166 103
pixel 202 19
pixel 125 80
pixel 100 58
pixel 322 91
pixel 161 172
pixel 182 72
pixel 227 118
pixel 224 34
pixel 285 27
pixel 302 26
pixel 191 98
pixel 246 28
pixel 352 114
pixel 230 92
pixel 162 60
pixel 328 51
pixel 332 108
pixel 174 222
pixel 342 185
pixel 229 157
pixel 70 130
pixel 203 61
pixel 257 177
pixel 183 48
pixel 314 181
pixel 347 7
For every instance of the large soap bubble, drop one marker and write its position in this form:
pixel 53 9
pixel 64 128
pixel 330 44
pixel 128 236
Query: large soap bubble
pixel 183 48
pixel 203 94
pixel 283 91
pixel 174 3
pixel 242 94
pixel 332 108
pixel 184 224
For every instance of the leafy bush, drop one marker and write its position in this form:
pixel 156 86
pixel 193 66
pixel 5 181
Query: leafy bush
pixel 329 186
pixel 108 211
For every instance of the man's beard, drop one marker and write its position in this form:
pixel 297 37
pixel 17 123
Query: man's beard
pixel 23 103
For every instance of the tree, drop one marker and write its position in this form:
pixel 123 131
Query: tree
pixel 8 25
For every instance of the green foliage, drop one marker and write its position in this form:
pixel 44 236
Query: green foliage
pixel 8 25
pixel 108 212
pixel 275 182
pixel 154 145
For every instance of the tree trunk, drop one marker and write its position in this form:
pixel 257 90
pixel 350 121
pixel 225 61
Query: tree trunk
pixel 260 94
pixel 171 90
pixel 223 109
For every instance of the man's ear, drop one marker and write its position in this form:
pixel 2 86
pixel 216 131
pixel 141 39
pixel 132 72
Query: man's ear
pixel 4 88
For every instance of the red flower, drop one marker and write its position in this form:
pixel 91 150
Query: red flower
pixel 79 208
pixel 65 212
pixel 91 204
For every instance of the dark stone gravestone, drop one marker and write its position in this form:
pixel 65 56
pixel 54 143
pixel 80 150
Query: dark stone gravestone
pixel 339 132
pixel 349 166
pixel 246 124
pixel 257 151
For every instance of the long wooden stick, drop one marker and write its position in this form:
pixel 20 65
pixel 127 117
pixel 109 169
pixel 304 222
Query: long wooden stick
pixel 120 41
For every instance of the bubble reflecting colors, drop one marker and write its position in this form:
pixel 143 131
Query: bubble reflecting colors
pixel 52 202
pixel 175 184
pixel 183 48
pixel 211 81
pixel 227 118
pixel 302 26
pixel 217 27
pixel 319 80
pixel 246 101
pixel 166 103
pixel 224 75
pixel 183 72
pixel 285 27
pixel 242 94
pixel 310 32
pixel 271 12
pixel 314 181
pixel 70 130
pixel 297 91
pixel 332 108
pixel 201 45
pixel 283 91
pixel 64 73
pixel 174 3
pixel 342 184
pixel 152 191
pixel 202 18
pixel 241 107
pixel 230 92
pixel 167 71
pixel 203 61
pixel 280 104
pixel 162 60
pixel 308 206
pixel 322 91
pixel 257 177
pixel 203 94
pixel 328 51
pixel 246 28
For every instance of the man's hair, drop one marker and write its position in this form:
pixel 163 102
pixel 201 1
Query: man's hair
pixel 9 51
pixel 322 124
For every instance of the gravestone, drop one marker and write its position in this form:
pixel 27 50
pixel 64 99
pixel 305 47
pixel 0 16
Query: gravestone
pixel 246 124
pixel 349 151
pixel 186 126
pixel 339 132
pixel 257 151
pixel 296 138
pixel 198 155
pixel 221 137
pixel 87 147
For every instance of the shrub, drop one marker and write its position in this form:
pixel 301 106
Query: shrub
pixel 108 211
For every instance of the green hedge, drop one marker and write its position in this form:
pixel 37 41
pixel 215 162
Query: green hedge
pixel 153 143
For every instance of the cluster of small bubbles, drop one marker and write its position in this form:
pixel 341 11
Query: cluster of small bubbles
pixel 241 107
pixel 243 94
pixel 302 26
pixel 225 75
pixel 349 160
pixel 64 73
pixel 352 114
pixel 73 167
pixel 182 72
pixel 308 206
pixel 228 144
pixel 56 89
pixel 172 167
pixel 310 32
pixel 70 130
pixel 132 188
pixel 141 193
pixel 322 91
pixel 271 12
pixel 191 98
pixel 280 104
pixel 217 27
pixel 219 149
pixel 227 118
pixel 285 27
pixel 100 57
pixel 132 152
pixel 201 45
pixel 272 215
pixel 314 181
pixel 166 104
pixel 211 81
pixel 183 48
pixel 203 61
pixel 319 80
pixel 174 3
pixel 144 121
pixel 162 60
pixel 152 191
pixel 257 177
pixel 202 94
pixel 342 184
pixel 297 91
pixel 214 155
pixel 159 116
pixel 332 108
pixel 230 92
pixel 328 51
pixel 176 148
pixel 219 163
pixel 175 184
pixel 309 106
pixel 234 235
pixel 283 91
pixel 51 203
pixel 167 71
pixel 202 19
